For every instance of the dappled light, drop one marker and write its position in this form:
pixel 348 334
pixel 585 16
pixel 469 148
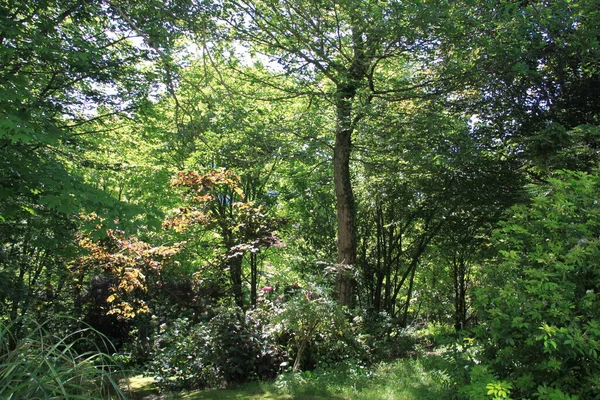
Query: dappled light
pixel 299 199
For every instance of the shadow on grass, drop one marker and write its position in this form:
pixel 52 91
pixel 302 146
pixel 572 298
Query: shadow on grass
pixel 143 388
pixel 418 378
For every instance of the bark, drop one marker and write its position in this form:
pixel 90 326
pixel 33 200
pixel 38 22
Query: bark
pixel 409 296
pixel 346 220
pixel 253 279
pixel 347 88
pixel 460 294
pixel 235 273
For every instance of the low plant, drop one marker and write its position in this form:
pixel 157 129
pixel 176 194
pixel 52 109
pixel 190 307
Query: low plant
pixel 317 331
pixel 231 347
pixel 43 365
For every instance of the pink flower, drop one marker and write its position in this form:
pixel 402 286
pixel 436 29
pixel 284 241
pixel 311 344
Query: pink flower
pixel 267 289
pixel 310 296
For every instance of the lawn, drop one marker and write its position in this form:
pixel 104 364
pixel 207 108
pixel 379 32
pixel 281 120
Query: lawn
pixel 405 379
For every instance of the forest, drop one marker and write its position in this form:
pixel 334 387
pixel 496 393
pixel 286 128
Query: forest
pixel 311 199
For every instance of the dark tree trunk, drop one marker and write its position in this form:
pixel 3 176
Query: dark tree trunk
pixel 235 273
pixel 253 278
pixel 346 223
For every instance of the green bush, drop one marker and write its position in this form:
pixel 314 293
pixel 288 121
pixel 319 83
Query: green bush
pixel 43 365
pixel 179 360
pixel 298 328
pixel 538 311
pixel 317 331
pixel 244 348
pixel 231 347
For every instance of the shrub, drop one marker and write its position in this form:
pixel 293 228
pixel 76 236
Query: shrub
pixel 231 347
pixel 235 346
pixel 244 348
pixel 179 360
pixel 539 309
pixel 317 331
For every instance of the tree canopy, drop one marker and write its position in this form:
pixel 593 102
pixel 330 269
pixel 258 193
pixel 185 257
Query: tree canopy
pixel 313 177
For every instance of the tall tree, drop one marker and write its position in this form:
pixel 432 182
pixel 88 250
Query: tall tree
pixel 343 51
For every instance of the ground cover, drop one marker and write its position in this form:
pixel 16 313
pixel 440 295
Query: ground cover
pixel 415 378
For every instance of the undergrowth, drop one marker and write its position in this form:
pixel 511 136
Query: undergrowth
pixel 45 365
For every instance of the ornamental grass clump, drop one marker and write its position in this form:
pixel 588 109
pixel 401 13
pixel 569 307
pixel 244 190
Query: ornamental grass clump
pixel 43 365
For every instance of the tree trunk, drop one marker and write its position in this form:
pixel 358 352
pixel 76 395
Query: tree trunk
pixel 235 273
pixel 253 279
pixel 460 294
pixel 346 224
pixel 409 296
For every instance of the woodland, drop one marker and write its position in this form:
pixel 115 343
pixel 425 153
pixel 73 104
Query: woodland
pixel 323 195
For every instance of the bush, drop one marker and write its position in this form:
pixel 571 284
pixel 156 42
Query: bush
pixel 317 331
pixel 179 360
pixel 538 310
pixel 231 347
pixel 244 347
pixel 43 365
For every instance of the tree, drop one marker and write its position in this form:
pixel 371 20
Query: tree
pixel 531 74
pixel 426 180
pixel 217 202
pixel 342 51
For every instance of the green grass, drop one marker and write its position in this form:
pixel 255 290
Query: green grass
pixel 406 379
pixel 44 365
pixel 401 379
pixel 142 387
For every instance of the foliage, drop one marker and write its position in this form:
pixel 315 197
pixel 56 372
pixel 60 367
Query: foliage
pixel 60 60
pixel 109 284
pixel 429 192
pixel 127 263
pixel 68 68
pixel 413 125
pixel 177 362
pixel 483 385
pixel 45 365
pixel 217 203
pixel 537 309
pixel 33 261
pixel 316 330
pixel 499 389
pixel 530 73
pixel 231 347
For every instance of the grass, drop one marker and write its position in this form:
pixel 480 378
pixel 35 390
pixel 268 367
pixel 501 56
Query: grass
pixel 43 365
pixel 143 387
pixel 405 379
